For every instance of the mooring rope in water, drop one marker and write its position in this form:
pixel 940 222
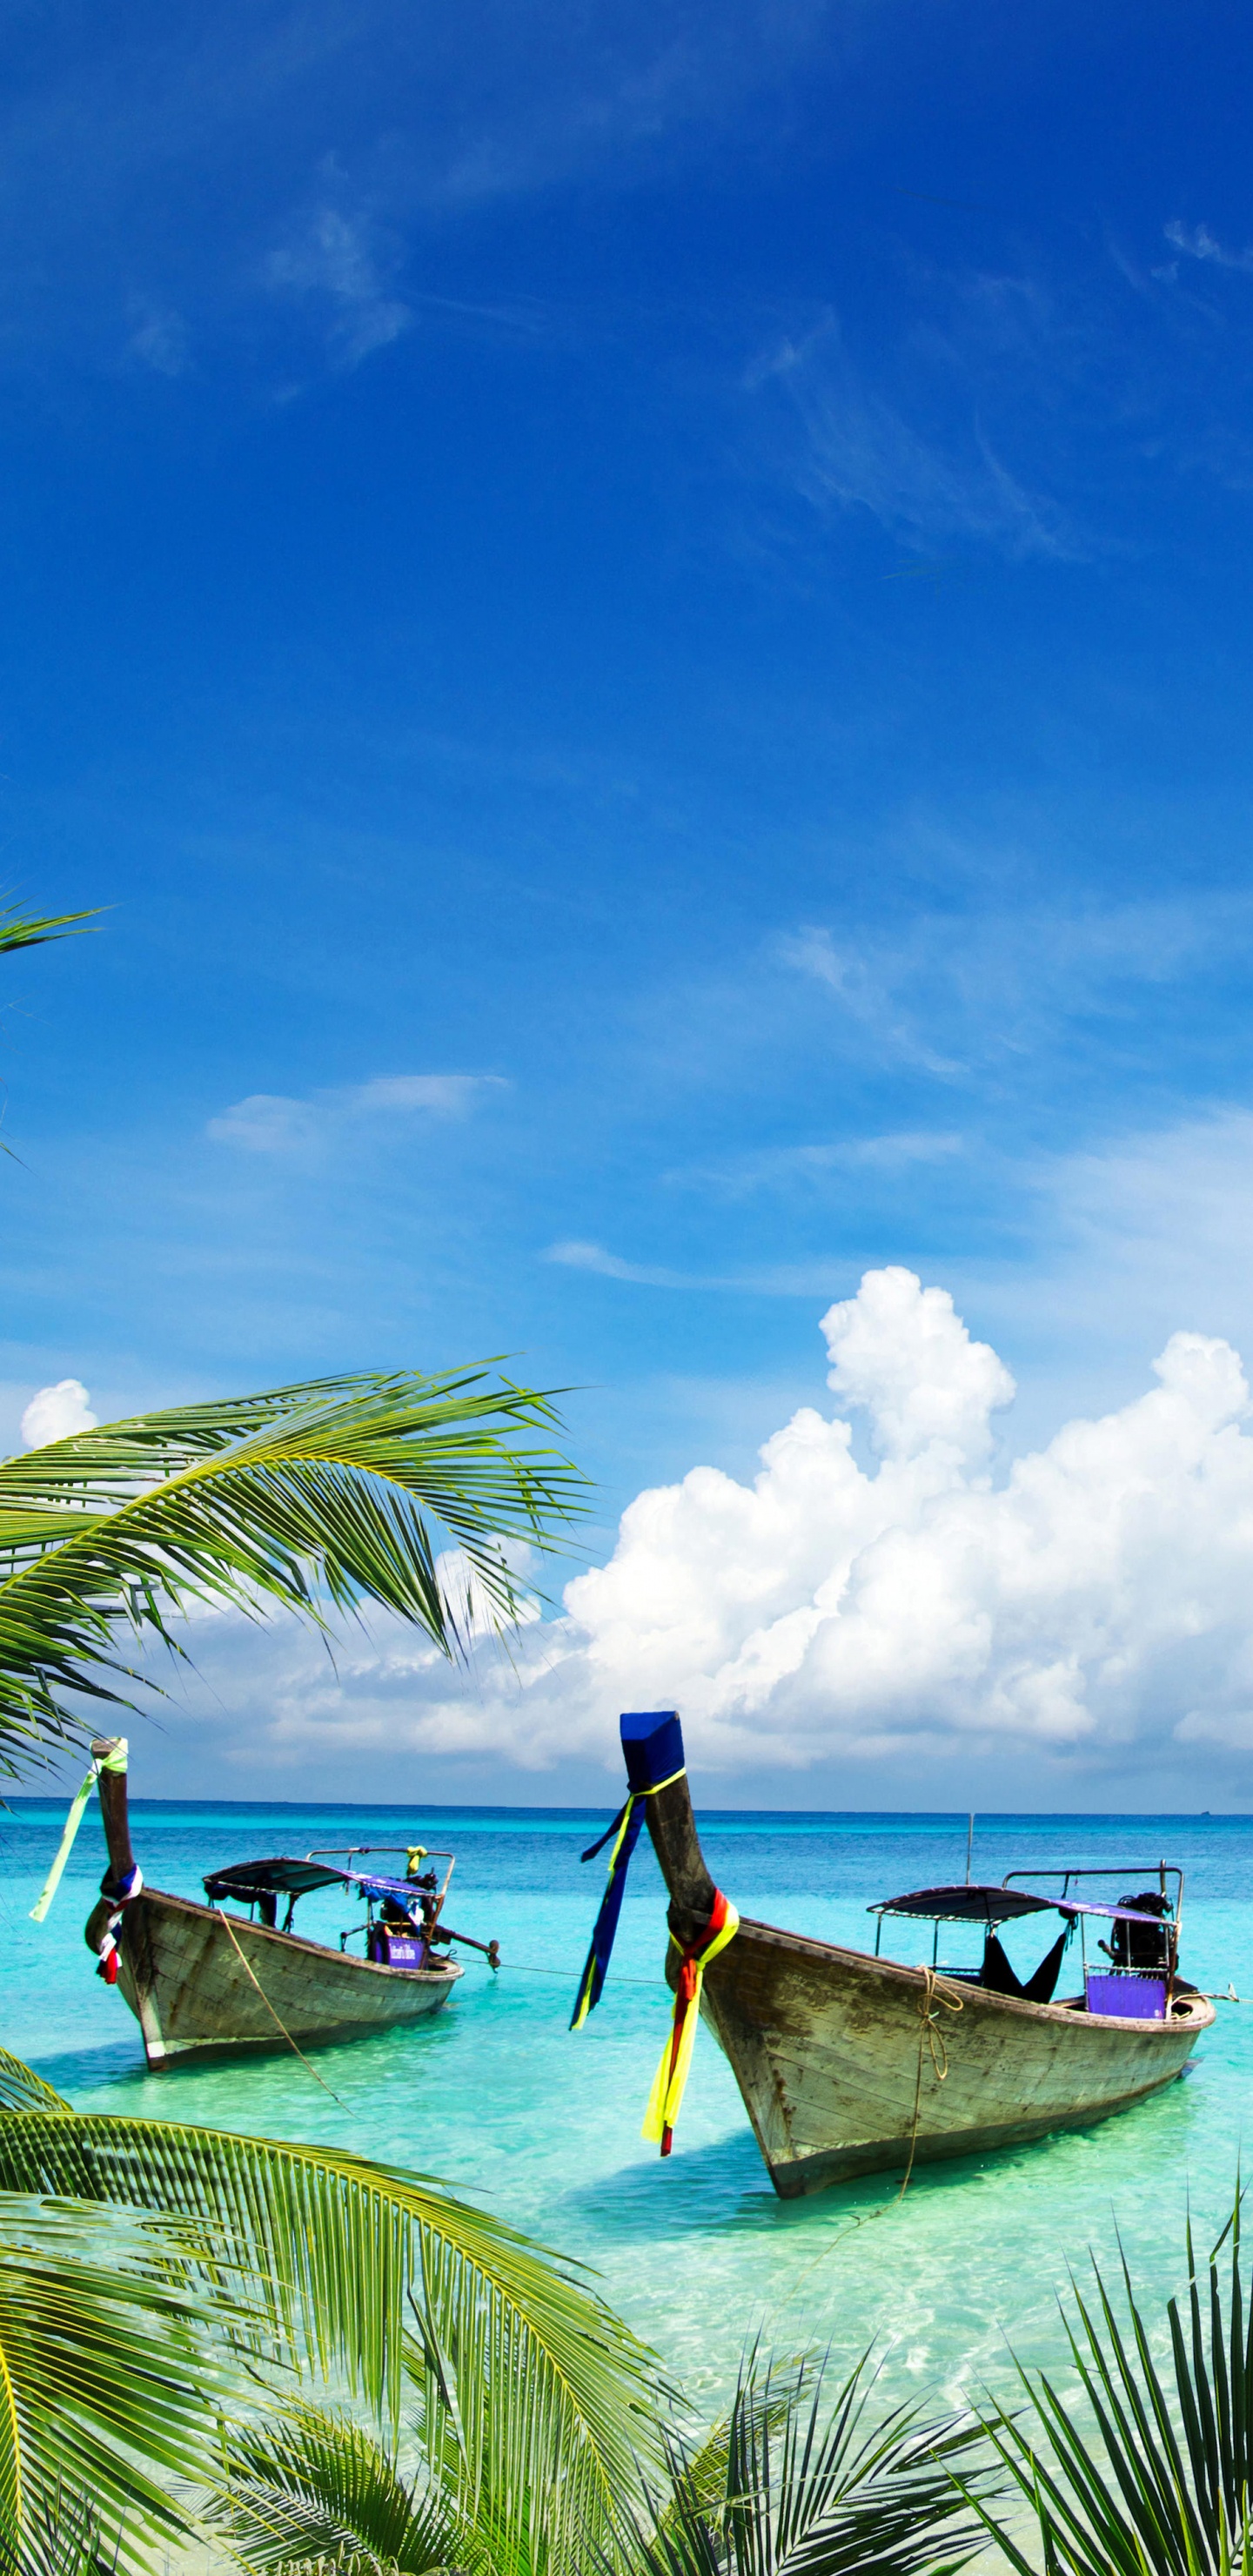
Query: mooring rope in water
pixel 281 2025
pixel 524 1968
pixel 930 2035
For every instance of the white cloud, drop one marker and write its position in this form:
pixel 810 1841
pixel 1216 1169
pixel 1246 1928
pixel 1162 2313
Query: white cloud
pixel 576 1255
pixel 265 1123
pixel 448 1095
pixel 56 1413
pixel 865 989
pixel 788 1167
pixel 332 257
pixel 903 1356
pixel 1200 243
pixel 160 340
pixel 270 1122
pixel 1087 1618
pixel 860 452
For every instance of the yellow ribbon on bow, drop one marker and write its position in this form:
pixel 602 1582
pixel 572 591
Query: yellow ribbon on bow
pixel 670 2080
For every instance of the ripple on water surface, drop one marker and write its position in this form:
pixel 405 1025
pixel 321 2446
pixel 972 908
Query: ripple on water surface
pixel 497 2098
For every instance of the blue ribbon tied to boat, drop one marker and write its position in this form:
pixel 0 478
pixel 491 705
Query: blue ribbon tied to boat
pixel 652 1742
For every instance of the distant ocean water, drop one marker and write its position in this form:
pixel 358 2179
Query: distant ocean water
pixel 497 2098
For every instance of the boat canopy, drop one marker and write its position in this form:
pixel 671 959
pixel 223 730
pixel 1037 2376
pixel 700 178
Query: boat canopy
pixel 252 1879
pixel 965 1904
pixel 998 1905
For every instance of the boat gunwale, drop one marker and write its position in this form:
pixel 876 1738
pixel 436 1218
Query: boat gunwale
pixel 447 1973
pixel 1067 2015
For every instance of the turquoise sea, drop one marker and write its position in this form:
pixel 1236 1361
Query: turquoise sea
pixel 498 2099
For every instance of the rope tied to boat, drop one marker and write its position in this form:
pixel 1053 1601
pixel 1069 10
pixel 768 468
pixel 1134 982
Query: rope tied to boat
pixel 249 1971
pixel 931 2035
pixel 670 2080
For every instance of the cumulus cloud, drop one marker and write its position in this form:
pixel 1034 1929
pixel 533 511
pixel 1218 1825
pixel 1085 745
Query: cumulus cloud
pixel 1084 1612
pixel 270 1122
pixel 56 1413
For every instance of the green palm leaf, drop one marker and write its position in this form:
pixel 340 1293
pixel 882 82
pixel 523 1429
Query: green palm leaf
pixel 796 2483
pixel 316 1497
pixel 22 2090
pixel 112 2375
pixel 516 2373
pixel 1155 2480
pixel 30 930
pixel 316 2490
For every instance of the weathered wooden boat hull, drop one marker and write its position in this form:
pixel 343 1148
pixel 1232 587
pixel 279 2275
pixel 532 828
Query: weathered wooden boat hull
pixel 849 2064
pixel 184 1971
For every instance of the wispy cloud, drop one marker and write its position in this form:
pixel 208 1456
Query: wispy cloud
pixel 792 1167
pixel 576 1255
pixel 865 989
pixel 334 258
pixel 816 1278
pixel 160 340
pixel 942 478
pixel 956 989
pixel 1198 242
pixel 270 1122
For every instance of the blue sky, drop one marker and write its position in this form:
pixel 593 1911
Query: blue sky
pixel 641 614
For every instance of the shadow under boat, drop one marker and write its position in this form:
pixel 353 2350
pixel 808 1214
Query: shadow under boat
pixel 204 1981
pixel 849 2063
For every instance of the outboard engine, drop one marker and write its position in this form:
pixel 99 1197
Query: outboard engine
pixel 1145 1946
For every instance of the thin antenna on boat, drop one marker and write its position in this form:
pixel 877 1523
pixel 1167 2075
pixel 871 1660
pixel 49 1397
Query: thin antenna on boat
pixel 970 1844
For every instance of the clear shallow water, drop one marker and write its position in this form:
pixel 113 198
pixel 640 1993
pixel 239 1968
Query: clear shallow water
pixel 496 2097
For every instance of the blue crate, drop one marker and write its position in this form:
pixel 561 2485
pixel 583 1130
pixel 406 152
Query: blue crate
pixel 1128 1998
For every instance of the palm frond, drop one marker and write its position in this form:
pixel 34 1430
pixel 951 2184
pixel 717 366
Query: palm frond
pixel 517 2371
pixel 30 930
pixel 22 2090
pixel 319 1497
pixel 1155 2481
pixel 317 2489
pixel 794 2482
pixel 111 2377
pixel 63 2536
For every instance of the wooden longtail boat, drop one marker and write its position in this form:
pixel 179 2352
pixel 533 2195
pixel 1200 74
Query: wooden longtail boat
pixel 850 2064
pixel 203 1981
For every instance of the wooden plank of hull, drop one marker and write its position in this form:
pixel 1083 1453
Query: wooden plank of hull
pixel 831 2052
pixel 182 1976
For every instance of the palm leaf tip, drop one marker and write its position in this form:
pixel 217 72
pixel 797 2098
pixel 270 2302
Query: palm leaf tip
pixel 1152 2478
pixel 20 929
pixel 795 2481
pixel 323 1499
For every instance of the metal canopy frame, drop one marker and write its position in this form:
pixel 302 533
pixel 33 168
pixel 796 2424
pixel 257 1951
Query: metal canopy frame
pixel 1010 1903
